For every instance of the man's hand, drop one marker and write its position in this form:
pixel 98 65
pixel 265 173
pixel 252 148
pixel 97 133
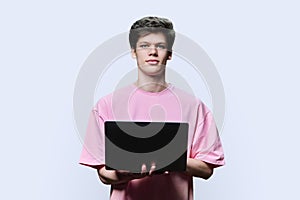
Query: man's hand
pixel 122 176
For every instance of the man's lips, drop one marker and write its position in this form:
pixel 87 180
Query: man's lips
pixel 152 62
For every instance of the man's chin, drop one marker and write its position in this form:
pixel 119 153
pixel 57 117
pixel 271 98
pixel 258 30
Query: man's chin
pixel 155 73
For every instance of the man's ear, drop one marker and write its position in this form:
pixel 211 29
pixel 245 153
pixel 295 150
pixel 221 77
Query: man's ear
pixel 169 55
pixel 133 53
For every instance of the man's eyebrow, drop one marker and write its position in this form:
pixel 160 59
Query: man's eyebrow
pixel 150 42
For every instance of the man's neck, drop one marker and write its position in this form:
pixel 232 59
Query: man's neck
pixel 151 85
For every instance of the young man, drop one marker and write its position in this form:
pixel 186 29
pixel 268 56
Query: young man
pixel 151 98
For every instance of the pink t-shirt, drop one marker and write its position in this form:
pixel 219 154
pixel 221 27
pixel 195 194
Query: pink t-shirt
pixel 169 105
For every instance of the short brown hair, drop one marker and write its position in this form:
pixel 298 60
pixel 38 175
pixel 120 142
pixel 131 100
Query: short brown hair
pixel 147 25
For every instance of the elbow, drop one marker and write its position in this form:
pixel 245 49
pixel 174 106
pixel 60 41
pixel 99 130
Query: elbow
pixel 208 174
pixel 104 181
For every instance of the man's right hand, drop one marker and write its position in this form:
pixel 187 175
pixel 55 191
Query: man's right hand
pixel 122 176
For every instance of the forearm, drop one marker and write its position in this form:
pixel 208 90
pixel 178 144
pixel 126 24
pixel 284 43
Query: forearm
pixel 194 167
pixel 199 168
pixel 117 177
pixel 112 177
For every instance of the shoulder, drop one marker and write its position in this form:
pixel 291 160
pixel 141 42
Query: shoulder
pixel 190 100
pixel 117 94
pixel 185 96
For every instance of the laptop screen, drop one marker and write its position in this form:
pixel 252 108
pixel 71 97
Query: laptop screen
pixel 129 144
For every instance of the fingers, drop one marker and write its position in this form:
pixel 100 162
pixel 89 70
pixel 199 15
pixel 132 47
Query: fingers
pixel 152 168
pixel 144 169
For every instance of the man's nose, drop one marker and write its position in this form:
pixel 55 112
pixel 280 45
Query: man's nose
pixel 152 50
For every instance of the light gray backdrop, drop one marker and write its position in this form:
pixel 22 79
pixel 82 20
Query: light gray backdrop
pixel 254 45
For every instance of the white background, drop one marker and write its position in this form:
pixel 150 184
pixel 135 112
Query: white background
pixel 254 45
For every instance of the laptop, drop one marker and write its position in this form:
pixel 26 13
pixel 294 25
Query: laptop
pixel 129 144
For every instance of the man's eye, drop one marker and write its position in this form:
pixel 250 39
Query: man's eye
pixel 160 46
pixel 144 45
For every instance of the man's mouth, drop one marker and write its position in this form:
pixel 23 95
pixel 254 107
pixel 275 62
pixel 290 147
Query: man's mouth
pixel 152 62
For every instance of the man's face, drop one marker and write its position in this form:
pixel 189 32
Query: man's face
pixel 152 54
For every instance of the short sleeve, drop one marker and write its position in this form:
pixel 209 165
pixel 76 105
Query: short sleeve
pixel 206 144
pixel 93 151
